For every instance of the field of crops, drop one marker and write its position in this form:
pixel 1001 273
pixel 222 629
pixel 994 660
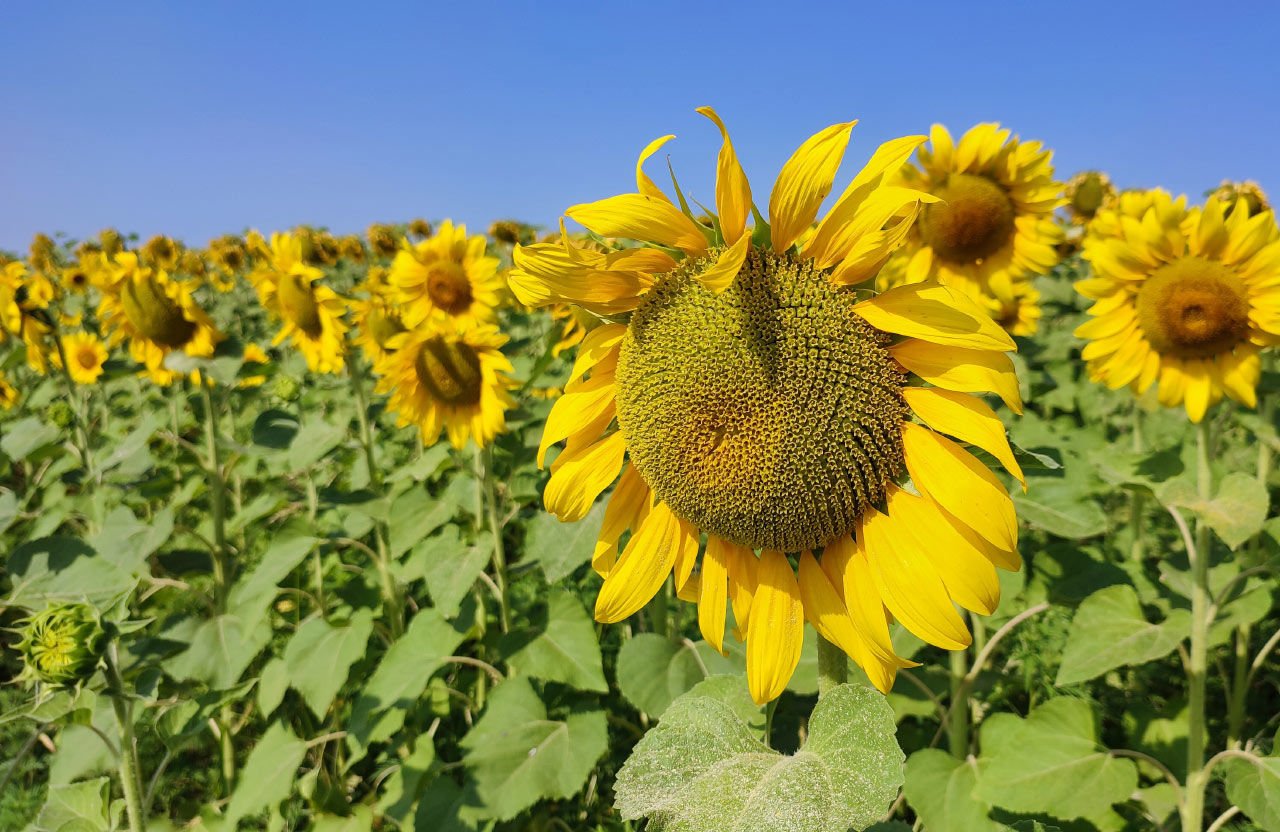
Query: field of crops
pixel 931 495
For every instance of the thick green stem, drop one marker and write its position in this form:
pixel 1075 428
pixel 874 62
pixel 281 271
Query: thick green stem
pixel 1137 497
pixel 1197 660
pixel 78 411
pixel 833 667
pixel 958 713
pixel 489 500
pixel 130 771
pixel 217 499
pixel 1236 705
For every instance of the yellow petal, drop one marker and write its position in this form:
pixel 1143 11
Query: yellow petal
pixel 643 183
pixel 966 418
pixel 644 566
pixel 909 584
pixel 714 598
pixel 961 370
pixel 846 564
pixel 686 554
pixel 642 218
pixel 579 475
pixel 720 276
pixel 776 631
pixel 733 191
pixel 743 566
pixel 804 181
pixel 935 313
pixel 573 410
pixel 960 484
pixel 548 273
pixel 628 506
pixel 595 347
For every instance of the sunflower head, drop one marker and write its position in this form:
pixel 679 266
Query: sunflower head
pixel 449 276
pixel 505 231
pixel 420 228
pixel 76 278
pixel 85 356
pixel 382 239
pixel 352 248
pixel 1087 193
pixel 162 252
pixel 62 644
pixel 111 241
pixel 1230 193
pixel 44 253
pixel 741 388
pixel 8 393
pixel 311 313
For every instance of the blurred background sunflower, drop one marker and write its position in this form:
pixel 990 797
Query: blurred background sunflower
pixel 310 313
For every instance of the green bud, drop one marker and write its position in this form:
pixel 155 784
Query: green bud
pixel 60 413
pixel 286 387
pixel 62 645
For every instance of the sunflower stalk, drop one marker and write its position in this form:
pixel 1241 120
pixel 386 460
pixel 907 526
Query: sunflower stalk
pixel 130 770
pixel 1137 497
pixel 1197 661
pixel 958 713
pixel 79 409
pixel 833 667
pixel 488 502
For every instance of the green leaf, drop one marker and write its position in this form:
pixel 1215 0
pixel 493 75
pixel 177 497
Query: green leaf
pixel 940 788
pixel 731 690
pixel 1254 786
pixel 414 515
pixel 1051 763
pixel 518 755
pixel 360 820
pixel 320 655
pixel 560 548
pixel 702 770
pixel 1147 470
pixel 447 807
pixel 562 647
pixel 449 566
pixel 272 685
pixel 220 650
pixel 77 807
pixel 268 774
pixel 653 670
pixel 1060 507
pixel 401 790
pixel 1237 511
pixel 1110 630
pixel 401 677
pixel 313 440
pixel 26 436
pixel 252 593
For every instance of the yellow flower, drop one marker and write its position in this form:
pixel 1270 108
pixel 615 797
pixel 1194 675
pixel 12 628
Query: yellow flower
pixel 24 299
pixel 1255 199
pixel 448 275
pixel 110 242
pixel 310 312
pixel 420 228
pixel 450 376
pixel 77 278
pixel 85 357
pixel 352 248
pixel 1087 193
pixel 994 214
pixel 505 231
pixel 382 239
pixel 1015 306
pixel 156 315
pixel 1185 298
pixel 44 253
pixel 161 252
pixel 752 397
pixel 253 354
pixel 8 393
pixel 377 323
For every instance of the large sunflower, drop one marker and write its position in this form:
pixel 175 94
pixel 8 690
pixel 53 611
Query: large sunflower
pixel 156 315
pixel 377 320
pixel 994 215
pixel 310 313
pixel 743 391
pixel 452 376
pixel 446 276
pixel 1186 298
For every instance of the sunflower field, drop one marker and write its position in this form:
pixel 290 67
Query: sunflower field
pixel 939 500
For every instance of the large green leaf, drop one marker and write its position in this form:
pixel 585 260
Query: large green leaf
pixel 941 790
pixel 26 436
pixel 1051 763
pixel 320 655
pixel 313 440
pixel 653 670
pixel 518 755
pixel 703 770
pixel 413 515
pixel 560 548
pixel 559 646
pixel 268 774
pixel 252 593
pixel 1110 630
pixel 1254 786
pixel 401 677
pixel 1236 512
pixel 449 566
pixel 220 650
pixel 79 807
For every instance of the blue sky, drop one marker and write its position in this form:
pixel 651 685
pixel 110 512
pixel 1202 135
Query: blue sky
pixel 196 119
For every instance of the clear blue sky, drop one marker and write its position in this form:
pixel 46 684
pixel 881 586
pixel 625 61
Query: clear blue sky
pixel 196 119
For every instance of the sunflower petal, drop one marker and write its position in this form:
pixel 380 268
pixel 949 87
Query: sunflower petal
pixel 579 475
pixel 960 484
pixel 968 419
pixel 628 506
pixel 733 191
pixel 644 566
pixel 572 410
pixel 598 344
pixel 776 631
pixel 935 313
pixel 714 597
pixel 721 274
pixel 961 370
pixel 804 182
pixel 642 218
pixel 643 183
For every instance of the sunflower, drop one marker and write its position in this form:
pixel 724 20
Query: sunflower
pixel 351 248
pixel 85 356
pixel 1087 193
pixel 77 278
pixel 1251 192
pixel 44 253
pixel 1185 297
pixel 1015 306
pixel 450 375
pixel 8 393
pixel 310 313
pixel 156 314
pixel 993 217
pixel 448 275
pixel 24 301
pixel 383 239
pixel 377 322
pixel 228 257
pixel 742 390
pixel 162 252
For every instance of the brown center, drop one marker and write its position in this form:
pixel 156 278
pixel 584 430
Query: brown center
pixel 154 314
pixel 450 371
pixel 974 220
pixel 448 287
pixel 87 357
pixel 383 325
pixel 1193 308
pixel 298 304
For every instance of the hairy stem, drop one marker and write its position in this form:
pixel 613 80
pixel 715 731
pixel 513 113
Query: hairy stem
pixel 1197 775
pixel 833 667
pixel 130 771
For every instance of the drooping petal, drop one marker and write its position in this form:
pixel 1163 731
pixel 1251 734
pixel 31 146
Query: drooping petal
pixel 961 370
pixel 644 566
pixel 961 484
pixel 935 313
pixel 804 181
pixel 579 475
pixel 733 191
pixel 548 273
pixel 642 218
pixel 686 556
pixel 967 418
pixel 573 410
pixel 628 506
pixel 720 276
pixel 643 183
pixel 714 597
pixel 743 567
pixel 595 347
pixel 775 633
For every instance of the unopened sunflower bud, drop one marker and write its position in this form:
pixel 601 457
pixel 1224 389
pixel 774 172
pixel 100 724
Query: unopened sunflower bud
pixel 60 413
pixel 286 388
pixel 62 645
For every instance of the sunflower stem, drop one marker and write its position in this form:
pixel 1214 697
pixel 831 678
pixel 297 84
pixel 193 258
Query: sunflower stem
pixel 1137 497
pixel 958 713
pixel 1197 661
pixel 78 409
pixel 489 501
pixel 833 667
pixel 130 770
